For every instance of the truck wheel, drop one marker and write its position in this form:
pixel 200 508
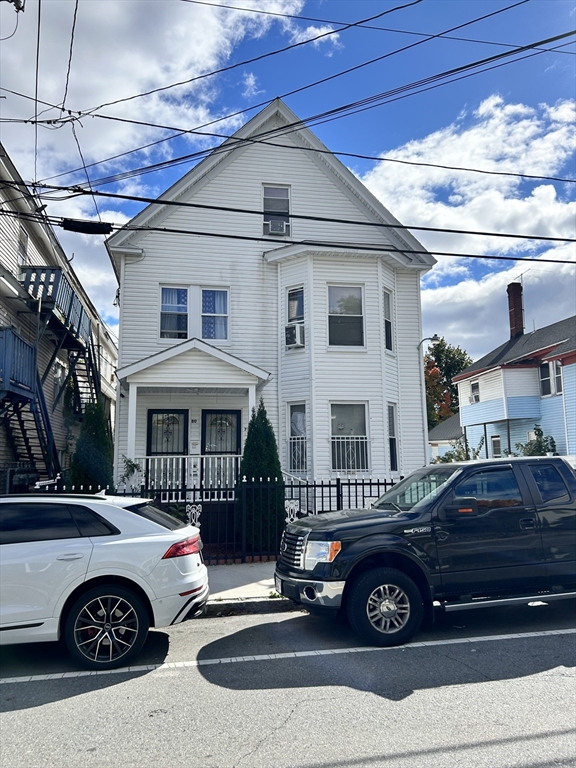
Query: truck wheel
pixel 106 627
pixel 385 607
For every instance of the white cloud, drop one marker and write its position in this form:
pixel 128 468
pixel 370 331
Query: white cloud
pixel 120 49
pixel 250 82
pixel 301 35
pixel 465 299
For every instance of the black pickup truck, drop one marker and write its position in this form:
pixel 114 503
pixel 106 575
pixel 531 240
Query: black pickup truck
pixel 452 536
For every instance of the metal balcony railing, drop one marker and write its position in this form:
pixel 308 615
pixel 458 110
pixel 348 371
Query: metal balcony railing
pixel 350 453
pixel 17 364
pixel 50 286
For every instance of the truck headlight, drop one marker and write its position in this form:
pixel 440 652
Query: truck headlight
pixel 320 552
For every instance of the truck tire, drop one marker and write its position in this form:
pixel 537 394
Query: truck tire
pixel 385 607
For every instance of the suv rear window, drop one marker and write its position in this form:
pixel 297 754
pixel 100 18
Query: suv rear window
pixel 35 521
pixel 158 516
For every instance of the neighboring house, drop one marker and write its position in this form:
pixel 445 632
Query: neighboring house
pixel 441 437
pixel 220 306
pixel 55 353
pixel 530 380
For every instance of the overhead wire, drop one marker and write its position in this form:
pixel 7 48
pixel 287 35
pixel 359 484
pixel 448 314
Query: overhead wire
pixel 335 245
pixel 262 56
pixel 232 142
pixel 309 217
pixel 70 57
pixel 261 11
pixel 180 132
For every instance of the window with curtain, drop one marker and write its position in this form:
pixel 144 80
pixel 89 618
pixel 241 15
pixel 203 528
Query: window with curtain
pixel 174 313
pixel 296 305
pixel 349 438
pixel 345 318
pixel 214 314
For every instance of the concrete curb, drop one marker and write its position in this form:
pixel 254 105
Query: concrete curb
pixel 239 605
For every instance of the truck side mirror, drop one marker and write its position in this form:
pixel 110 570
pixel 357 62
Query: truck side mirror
pixel 462 506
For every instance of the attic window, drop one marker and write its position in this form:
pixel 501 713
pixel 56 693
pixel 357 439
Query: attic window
pixel 276 206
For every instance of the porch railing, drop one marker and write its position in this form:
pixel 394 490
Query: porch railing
pixel 186 471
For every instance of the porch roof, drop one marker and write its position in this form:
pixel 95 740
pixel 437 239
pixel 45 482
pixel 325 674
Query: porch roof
pixel 187 346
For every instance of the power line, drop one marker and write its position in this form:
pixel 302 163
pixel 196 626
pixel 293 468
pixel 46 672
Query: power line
pixel 203 153
pixel 308 217
pixel 333 114
pixel 70 59
pixel 311 243
pixel 254 59
pixel 362 26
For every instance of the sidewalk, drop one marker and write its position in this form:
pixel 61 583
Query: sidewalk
pixel 246 587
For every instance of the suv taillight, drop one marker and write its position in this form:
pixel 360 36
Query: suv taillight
pixel 190 546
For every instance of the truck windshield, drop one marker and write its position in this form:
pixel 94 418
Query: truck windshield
pixel 424 484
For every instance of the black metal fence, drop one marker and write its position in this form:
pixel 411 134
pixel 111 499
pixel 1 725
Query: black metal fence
pixel 243 524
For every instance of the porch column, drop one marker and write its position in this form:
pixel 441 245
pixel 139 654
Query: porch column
pixel 132 397
pixel 251 399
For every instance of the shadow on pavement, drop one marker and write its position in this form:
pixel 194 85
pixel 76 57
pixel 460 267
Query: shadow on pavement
pixel 51 658
pixel 393 673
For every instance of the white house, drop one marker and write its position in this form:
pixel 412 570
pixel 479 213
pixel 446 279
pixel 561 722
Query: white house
pixel 269 271
pixel 528 381
pixel 56 354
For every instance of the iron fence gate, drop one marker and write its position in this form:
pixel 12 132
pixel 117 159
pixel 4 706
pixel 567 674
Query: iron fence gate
pixel 244 523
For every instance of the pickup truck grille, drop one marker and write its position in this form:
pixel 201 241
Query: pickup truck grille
pixel 292 549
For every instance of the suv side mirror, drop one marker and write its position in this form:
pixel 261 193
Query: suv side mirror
pixel 462 506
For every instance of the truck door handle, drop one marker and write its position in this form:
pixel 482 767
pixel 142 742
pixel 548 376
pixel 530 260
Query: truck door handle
pixel 527 523
pixel 71 556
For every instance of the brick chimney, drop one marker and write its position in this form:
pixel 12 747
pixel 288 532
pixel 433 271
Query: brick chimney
pixel 516 310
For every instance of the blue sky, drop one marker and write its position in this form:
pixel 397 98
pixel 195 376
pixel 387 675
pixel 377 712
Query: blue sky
pixel 515 118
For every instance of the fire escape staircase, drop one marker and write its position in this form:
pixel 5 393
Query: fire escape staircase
pixel 23 408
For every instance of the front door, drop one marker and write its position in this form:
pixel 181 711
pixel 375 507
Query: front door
pixel 498 550
pixel 220 447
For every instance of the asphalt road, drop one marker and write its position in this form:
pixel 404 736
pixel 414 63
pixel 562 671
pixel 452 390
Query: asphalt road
pixel 487 688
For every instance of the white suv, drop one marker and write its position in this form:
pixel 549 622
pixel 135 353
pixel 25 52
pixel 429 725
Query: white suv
pixel 97 571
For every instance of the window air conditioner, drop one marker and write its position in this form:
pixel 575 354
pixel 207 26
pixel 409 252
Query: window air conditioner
pixel 473 399
pixel 277 227
pixel 294 335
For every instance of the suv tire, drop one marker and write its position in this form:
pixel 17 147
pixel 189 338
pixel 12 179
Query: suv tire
pixel 106 627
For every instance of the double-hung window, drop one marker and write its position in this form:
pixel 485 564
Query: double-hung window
pixel 214 314
pixel 475 392
pixel 296 305
pixel 297 445
pixel 345 316
pixel 276 206
pixel 174 313
pixel 545 380
pixel 388 342
pixel 557 368
pixel 392 439
pixel 349 438
pixel 194 312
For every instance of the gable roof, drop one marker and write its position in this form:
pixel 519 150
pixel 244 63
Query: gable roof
pixel 401 238
pixel 186 346
pixel 546 343
pixel 449 429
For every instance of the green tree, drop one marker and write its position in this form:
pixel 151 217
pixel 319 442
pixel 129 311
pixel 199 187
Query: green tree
pixel 459 451
pixel 539 446
pixel 442 362
pixel 260 511
pixel 92 460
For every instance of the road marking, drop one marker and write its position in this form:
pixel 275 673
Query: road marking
pixel 171 665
